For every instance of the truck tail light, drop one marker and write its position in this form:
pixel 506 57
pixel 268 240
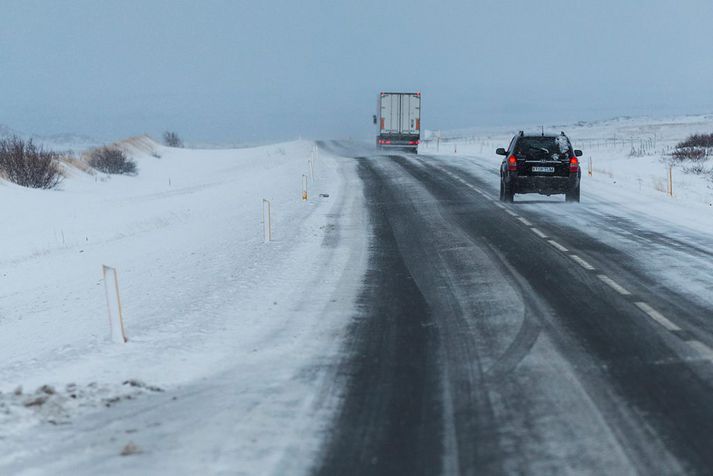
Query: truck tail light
pixel 512 163
pixel 573 164
pixel 413 142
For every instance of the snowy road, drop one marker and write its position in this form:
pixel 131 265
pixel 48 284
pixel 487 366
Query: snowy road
pixel 407 323
pixel 539 337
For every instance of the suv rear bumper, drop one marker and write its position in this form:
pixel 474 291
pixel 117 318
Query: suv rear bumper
pixel 545 185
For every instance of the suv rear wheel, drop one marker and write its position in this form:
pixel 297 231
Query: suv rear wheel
pixel 506 193
pixel 572 196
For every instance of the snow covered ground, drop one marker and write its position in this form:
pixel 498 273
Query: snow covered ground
pixel 227 334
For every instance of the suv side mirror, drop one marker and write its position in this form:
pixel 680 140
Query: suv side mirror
pixel 374 118
pixel 577 153
pixel 501 151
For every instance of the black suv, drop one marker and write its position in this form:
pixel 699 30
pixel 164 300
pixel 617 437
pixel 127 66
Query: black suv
pixel 540 163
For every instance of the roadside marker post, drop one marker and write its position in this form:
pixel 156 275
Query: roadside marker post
pixel 311 169
pixel 589 167
pixel 267 220
pixel 304 187
pixel 113 302
pixel 670 180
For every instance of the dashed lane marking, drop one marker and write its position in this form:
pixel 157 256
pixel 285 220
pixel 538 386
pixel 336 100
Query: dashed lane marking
pixel 701 348
pixel 657 316
pixel 704 350
pixel 614 285
pixel 558 246
pixel 582 263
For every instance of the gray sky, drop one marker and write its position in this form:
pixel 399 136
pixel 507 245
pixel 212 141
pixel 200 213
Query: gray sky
pixel 219 70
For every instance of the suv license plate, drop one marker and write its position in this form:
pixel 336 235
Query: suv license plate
pixel 543 169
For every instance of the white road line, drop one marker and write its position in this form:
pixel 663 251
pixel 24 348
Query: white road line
pixel 511 213
pixel 525 221
pixel 582 263
pixel 538 232
pixel 499 205
pixel 657 316
pixel 701 348
pixel 558 246
pixel 614 285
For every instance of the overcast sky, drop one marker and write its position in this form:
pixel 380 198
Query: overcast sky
pixel 220 70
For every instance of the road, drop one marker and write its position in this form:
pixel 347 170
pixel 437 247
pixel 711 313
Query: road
pixel 537 337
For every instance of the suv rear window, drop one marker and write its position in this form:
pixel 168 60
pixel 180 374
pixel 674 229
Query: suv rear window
pixel 543 147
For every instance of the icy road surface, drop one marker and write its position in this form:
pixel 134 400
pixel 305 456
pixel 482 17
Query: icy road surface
pixel 533 338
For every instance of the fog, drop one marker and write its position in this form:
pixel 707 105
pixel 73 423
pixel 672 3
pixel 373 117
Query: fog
pixel 230 71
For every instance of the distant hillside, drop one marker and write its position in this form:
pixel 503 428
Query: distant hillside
pixel 63 141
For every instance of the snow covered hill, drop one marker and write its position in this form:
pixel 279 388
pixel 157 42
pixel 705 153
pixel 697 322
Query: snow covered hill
pixel 211 311
pixel 65 142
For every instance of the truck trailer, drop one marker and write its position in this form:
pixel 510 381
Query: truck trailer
pixel 398 119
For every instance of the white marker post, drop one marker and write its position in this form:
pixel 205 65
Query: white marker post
pixel 267 220
pixel 304 187
pixel 311 170
pixel 113 303
pixel 670 180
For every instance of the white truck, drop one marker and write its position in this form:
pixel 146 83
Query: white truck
pixel 398 119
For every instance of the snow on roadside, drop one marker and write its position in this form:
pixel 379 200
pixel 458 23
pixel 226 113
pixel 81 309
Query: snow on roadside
pixel 207 305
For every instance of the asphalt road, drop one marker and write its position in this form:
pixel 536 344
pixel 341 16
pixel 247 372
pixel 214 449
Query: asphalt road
pixel 493 340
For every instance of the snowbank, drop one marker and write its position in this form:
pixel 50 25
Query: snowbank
pixel 207 304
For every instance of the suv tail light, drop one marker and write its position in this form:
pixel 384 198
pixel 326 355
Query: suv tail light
pixel 573 164
pixel 512 163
